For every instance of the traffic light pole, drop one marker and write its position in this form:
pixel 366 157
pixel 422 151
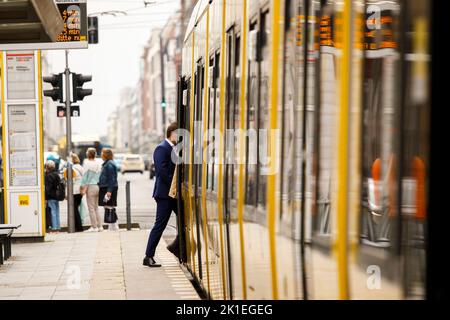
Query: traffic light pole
pixel 70 204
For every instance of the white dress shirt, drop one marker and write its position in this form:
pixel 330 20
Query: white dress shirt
pixel 170 142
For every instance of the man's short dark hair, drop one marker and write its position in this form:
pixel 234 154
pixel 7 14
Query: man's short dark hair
pixel 171 128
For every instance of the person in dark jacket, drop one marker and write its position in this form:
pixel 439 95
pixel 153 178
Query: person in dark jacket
pixel 165 167
pixel 108 186
pixel 52 180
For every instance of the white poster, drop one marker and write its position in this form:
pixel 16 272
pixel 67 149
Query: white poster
pixel 20 75
pixel 22 119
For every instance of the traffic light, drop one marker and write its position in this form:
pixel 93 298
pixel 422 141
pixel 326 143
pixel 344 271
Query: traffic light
pixel 163 103
pixel 74 111
pixel 93 30
pixel 77 84
pixel 56 80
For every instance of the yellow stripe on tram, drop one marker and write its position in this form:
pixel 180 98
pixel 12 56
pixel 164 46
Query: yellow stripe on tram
pixel 343 137
pixel 5 201
pixel 205 140
pixel 41 133
pixel 222 131
pixel 273 109
pixel 241 181
pixel 191 155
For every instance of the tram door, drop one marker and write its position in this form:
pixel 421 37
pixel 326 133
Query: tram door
pixel 182 119
pixel 197 173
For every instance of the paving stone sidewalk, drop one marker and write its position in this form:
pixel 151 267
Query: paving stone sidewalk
pixel 92 266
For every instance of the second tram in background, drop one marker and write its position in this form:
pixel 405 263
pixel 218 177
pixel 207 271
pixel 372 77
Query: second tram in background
pixel 346 84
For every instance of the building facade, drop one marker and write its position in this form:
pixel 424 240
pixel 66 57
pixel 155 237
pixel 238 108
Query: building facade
pixel 145 111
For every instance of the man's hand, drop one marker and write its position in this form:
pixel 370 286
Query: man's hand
pixel 108 194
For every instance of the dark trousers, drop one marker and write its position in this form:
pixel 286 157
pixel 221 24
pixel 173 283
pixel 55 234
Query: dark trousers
pixel 164 208
pixel 76 203
pixel 48 217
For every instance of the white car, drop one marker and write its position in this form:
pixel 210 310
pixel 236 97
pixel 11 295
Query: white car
pixel 132 163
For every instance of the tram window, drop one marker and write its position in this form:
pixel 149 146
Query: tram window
pixel 199 118
pixel 216 125
pixel 211 115
pixel 415 147
pixel 187 122
pixel 290 88
pixel 326 125
pixel 193 147
pixel 236 111
pixel 264 109
pixel 252 126
pixel 380 144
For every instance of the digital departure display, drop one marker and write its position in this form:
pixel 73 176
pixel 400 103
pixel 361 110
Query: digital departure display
pixel 326 31
pixel 74 15
pixel 379 33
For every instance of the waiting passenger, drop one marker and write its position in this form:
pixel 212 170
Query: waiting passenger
pixel 77 174
pixel 109 187
pixel 89 187
pixel 52 181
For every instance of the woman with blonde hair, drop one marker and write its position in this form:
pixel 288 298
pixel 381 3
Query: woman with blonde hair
pixel 108 189
pixel 89 187
pixel 77 174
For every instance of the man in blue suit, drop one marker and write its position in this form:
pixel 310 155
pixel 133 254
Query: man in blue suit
pixel 164 167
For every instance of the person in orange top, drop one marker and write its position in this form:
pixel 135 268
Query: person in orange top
pixel 419 175
pixel 391 182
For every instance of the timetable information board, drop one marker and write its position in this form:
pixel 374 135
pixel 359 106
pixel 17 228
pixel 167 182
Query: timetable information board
pixel 23 164
pixel 21 79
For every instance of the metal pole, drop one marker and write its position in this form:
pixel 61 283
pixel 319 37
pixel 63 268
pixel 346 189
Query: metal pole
pixel 127 188
pixel 70 206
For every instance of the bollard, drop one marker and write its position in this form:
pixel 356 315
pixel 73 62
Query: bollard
pixel 127 188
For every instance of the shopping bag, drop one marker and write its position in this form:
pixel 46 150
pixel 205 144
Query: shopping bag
pixel 173 186
pixel 110 215
pixel 84 211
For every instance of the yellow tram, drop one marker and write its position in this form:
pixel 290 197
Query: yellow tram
pixel 320 190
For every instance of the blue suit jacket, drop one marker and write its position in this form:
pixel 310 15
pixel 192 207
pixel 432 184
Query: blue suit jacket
pixel 164 168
